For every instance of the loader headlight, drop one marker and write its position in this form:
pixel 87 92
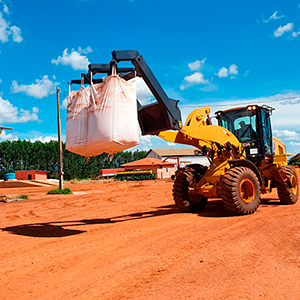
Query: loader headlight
pixel 251 107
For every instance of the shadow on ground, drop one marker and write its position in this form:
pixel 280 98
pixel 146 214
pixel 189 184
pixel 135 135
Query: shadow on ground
pixel 214 209
pixel 62 229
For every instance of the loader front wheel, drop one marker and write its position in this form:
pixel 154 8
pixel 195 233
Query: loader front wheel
pixel 187 202
pixel 289 195
pixel 240 191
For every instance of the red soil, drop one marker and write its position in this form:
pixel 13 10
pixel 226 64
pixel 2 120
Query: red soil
pixel 127 240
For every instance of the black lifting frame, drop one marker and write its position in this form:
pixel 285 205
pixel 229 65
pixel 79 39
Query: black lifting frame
pixel 154 117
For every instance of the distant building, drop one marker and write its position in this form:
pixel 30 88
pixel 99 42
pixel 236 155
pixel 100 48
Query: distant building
pixel 31 175
pixel 109 172
pixel 160 168
pixel 183 156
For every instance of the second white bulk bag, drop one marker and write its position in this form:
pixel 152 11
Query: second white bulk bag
pixel 112 122
pixel 77 121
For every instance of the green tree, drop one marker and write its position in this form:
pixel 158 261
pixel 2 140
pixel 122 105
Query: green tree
pixel 295 160
pixel 26 155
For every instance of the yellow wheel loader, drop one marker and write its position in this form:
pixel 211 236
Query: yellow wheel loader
pixel 245 159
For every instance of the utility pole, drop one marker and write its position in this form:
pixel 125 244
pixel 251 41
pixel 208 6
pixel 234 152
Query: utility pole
pixel 60 163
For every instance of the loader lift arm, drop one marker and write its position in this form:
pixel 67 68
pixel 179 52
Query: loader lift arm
pixel 154 117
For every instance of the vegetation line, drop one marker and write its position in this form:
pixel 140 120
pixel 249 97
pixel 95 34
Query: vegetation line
pixel 26 155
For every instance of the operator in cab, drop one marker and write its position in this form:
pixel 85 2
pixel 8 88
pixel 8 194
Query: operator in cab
pixel 246 132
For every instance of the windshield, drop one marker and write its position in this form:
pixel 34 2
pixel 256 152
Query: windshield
pixel 242 123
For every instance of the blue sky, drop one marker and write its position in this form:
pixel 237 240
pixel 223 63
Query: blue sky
pixel 217 53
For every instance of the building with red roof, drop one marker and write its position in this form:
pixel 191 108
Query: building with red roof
pixel 161 169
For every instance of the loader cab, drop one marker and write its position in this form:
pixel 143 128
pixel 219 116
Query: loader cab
pixel 252 126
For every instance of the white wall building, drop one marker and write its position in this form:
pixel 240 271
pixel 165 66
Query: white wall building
pixel 185 156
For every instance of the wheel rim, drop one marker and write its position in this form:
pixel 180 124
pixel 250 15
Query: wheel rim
pixel 247 191
pixel 294 184
pixel 195 197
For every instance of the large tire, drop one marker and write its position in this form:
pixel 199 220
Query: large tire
pixel 240 191
pixel 183 200
pixel 289 195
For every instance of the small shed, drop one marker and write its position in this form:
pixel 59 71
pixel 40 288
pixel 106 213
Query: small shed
pixel 160 168
pixel 31 175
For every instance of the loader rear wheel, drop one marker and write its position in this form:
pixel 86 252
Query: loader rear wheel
pixel 289 195
pixel 241 191
pixel 186 202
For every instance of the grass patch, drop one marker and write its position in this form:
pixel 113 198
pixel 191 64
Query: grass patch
pixel 23 197
pixel 60 191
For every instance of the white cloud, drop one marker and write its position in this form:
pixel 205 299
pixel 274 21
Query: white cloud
pixel 274 17
pixel 75 59
pixel 143 94
pixel 295 34
pixel 283 29
pixel 233 69
pixel 6 31
pixel 223 72
pixel 42 88
pixel 142 91
pixel 146 142
pixel 5 9
pixel 11 114
pixel 86 50
pixel 16 32
pixel 295 144
pixel 0 80
pixel 196 78
pixel 64 104
pixel 196 65
pixel 286 134
pixel 44 139
pixel 8 137
pixel 290 138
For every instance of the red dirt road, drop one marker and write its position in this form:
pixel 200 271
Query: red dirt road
pixel 127 240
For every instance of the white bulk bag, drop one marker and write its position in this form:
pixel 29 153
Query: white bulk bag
pixel 77 121
pixel 112 122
